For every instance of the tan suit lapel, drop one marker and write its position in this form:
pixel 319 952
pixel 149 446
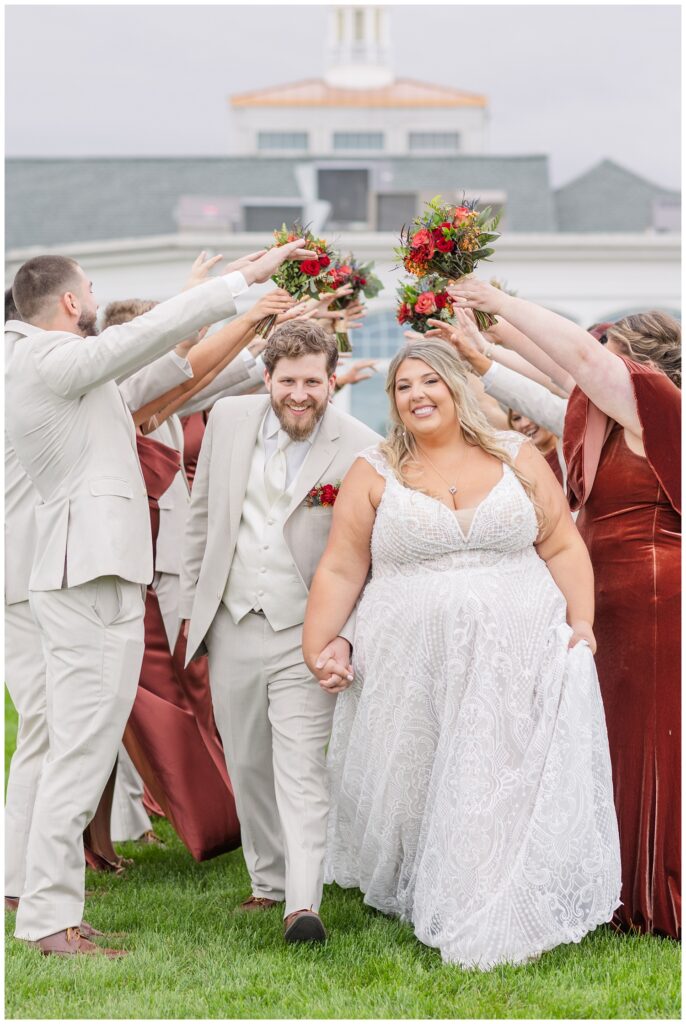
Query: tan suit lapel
pixel 319 458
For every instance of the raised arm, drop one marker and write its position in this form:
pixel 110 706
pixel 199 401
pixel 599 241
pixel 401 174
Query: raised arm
pixel 600 374
pixel 72 366
pixel 344 566
pixel 523 352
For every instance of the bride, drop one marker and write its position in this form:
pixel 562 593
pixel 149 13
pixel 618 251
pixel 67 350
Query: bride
pixel 471 788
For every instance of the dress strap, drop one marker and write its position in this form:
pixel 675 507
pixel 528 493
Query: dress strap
pixel 511 441
pixel 376 460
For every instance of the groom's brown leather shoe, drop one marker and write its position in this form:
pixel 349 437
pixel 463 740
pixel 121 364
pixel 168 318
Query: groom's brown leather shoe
pixel 304 926
pixel 257 903
pixel 70 942
pixel 11 903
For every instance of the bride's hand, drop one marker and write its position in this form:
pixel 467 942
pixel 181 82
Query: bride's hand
pixel 583 631
pixel 332 668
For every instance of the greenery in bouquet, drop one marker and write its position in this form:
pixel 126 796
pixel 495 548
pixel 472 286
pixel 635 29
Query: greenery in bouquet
pixel 449 241
pixel 423 300
pixel 349 272
pixel 502 285
pixel 300 278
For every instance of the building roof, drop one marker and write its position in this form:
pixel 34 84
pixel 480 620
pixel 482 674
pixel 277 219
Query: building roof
pixel 316 92
pixel 608 197
pixel 51 202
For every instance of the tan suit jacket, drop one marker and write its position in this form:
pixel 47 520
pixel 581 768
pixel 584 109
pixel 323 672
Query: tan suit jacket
pixel 21 498
pixel 219 489
pixel 74 437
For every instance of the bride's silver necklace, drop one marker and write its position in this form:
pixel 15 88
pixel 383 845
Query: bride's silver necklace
pixel 452 488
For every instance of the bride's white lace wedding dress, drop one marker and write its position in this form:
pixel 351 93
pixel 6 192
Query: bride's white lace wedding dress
pixel 471 788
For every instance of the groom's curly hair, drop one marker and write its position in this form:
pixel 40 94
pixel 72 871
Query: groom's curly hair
pixel 299 338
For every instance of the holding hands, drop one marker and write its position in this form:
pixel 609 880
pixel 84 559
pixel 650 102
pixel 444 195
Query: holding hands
pixel 332 669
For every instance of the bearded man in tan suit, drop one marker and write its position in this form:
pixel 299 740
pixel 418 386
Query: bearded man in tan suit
pixel 254 537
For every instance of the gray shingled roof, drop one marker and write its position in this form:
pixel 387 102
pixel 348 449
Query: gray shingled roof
pixel 51 202
pixel 608 197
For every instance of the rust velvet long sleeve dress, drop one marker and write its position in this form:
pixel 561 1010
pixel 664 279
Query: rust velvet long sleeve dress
pixel 630 520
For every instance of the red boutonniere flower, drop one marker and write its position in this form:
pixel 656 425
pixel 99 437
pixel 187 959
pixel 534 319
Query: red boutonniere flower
pixel 323 495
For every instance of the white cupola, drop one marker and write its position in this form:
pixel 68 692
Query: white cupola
pixel 358 48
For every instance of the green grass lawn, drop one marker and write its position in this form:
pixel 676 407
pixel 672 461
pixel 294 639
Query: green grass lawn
pixel 191 957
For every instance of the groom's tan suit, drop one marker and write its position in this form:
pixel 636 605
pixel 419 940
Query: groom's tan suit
pixel 250 553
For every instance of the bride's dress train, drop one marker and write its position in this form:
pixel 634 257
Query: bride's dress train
pixel 469 765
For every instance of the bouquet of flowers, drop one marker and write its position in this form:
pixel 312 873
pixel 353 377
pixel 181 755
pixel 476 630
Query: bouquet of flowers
pixel 300 278
pixel 359 276
pixel 449 241
pixel 423 300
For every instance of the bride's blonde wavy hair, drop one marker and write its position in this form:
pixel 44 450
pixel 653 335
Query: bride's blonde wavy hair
pixel 400 449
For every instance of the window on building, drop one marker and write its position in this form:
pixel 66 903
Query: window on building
pixel 395 209
pixel 347 189
pixel 667 214
pixel 448 142
pixel 266 218
pixel 377 24
pixel 358 140
pixel 340 24
pixel 359 24
pixel 282 140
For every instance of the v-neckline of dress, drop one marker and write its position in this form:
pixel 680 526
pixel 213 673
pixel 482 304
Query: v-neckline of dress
pixel 452 511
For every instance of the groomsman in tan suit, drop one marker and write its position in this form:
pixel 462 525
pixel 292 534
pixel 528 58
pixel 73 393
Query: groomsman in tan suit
pixel 253 541
pixel 74 437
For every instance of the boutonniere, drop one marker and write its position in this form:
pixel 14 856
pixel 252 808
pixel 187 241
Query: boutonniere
pixel 323 495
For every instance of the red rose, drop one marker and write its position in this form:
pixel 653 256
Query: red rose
pixel 441 300
pixel 426 303
pixel 446 225
pixel 324 260
pixel 404 312
pixel 362 281
pixel 310 267
pixel 423 240
pixel 460 213
pixel 444 244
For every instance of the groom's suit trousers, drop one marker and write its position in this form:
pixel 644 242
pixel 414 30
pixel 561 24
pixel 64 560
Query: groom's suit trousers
pixel 93 647
pixel 275 721
pixel 25 678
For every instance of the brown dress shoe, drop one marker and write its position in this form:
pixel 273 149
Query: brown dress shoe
pixel 87 930
pixel 257 903
pixel 304 926
pixel 70 942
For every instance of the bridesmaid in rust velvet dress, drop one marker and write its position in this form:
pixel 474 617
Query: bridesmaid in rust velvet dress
pixel 622 449
pixel 163 737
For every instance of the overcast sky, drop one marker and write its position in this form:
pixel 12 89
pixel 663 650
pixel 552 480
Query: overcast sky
pixel 579 83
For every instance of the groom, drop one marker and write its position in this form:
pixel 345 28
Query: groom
pixel 253 540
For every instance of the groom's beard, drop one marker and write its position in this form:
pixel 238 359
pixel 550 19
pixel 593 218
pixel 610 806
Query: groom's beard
pixel 299 427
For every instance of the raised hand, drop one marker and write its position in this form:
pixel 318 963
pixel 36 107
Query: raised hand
pixel 470 292
pixel 362 369
pixel 200 271
pixel 261 267
pixel 243 261
pixel 275 302
pixel 464 337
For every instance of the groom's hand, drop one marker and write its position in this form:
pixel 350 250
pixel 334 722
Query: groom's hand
pixel 333 670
